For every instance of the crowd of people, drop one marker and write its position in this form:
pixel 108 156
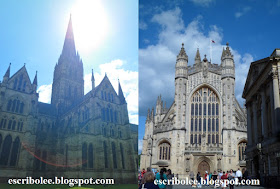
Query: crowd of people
pixel 221 175
pixel 147 178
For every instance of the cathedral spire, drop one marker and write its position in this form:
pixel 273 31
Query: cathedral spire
pixel 148 115
pixel 182 54
pixel 34 84
pixel 35 79
pixel 226 53
pixel 69 43
pixel 197 59
pixel 92 80
pixel 181 66
pixel 7 74
pixel 121 96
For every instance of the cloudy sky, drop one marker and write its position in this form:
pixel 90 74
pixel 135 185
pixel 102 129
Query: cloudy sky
pixel 106 37
pixel 249 27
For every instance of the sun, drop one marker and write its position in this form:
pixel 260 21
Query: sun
pixel 90 24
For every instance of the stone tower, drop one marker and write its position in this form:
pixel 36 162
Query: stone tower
pixel 228 82
pixel 68 82
pixel 181 77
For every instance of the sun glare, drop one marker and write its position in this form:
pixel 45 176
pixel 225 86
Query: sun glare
pixel 90 24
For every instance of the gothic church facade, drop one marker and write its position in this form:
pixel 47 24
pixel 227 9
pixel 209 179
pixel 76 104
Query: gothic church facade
pixel 205 127
pixel 78 135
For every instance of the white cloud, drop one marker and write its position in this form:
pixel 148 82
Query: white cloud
pixel 203 3
pixel 114 71
pixel 243 11
pixel 157 62
pixel 45 92
pixel 142 25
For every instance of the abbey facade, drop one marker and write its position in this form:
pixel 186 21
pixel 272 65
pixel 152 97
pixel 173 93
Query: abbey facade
pixel 76 136
pixel 205 127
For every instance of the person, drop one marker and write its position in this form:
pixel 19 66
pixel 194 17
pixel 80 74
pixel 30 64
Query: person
pixel 231 176
pixel 143 181
pixel 245 174
pixel 198 178
pixel 206 177
pixel 214 177
pixel 149 182
pixel 143 172
pixel 227 173
pixel 239 175
pixel 210 176
pixel 169 176
pixel 191 175
pixel 224 178
pixel 220 174
pixel 161 176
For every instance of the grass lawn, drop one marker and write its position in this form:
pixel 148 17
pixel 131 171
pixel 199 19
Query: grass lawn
pixel 26 186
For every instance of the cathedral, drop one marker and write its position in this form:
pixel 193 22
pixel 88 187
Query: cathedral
pixel 77 135
pixel 205 127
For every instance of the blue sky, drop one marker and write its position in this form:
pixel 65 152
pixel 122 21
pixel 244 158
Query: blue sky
pixel 251 28
pixel 105 32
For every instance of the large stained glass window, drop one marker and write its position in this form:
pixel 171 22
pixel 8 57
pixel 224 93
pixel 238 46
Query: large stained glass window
pixel 205 119
pixel 241 150
pixel 164 151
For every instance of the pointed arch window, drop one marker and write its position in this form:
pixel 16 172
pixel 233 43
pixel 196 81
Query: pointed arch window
pixel 24 85
pixel 114 155
pixel 111 115
pixel 14 125
pixel 90 156
pixel 84 155
pixel 204 116
pixel 20 82
pixel 107 114
pixel 21 107
pixel 14 105
pixel 3 123
pixel 15 152
pixel 122 156
pixel 6 148
pixel 241 150
pixel 116 118
pixel 17 106
pixel 164 149
pixel 9 105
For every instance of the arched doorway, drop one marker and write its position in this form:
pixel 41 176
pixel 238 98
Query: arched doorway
pixel 202 167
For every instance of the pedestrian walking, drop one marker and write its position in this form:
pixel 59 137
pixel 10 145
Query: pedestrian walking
pixel 239 175
pixel 191 175
pixel 143 181
pixel 220 174
pixel 224 178
pixel 231 176
pixel 161 176
pixel 169 177
pixel 198 178
pixel 149 182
